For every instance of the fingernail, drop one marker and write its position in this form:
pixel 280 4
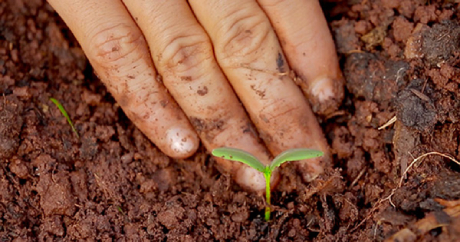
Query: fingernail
pixel 323 89
pixel 326 95
pixel 183 142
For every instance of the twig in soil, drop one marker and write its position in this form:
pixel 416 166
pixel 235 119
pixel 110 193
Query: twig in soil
pixel 424 85
pixel 375 228
pixel 377 205
pixel 358 177
pixel 335 114
pixel 323 184
pixel 354 51
pixel 420 95
pixel 398 73
pixel 388 123
pixel 61 108
pixel 369 215
pixel 421 157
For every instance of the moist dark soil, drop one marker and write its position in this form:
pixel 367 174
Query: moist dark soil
pixel 400 59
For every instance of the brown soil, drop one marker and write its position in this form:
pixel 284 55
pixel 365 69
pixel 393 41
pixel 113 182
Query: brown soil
pixel 400 58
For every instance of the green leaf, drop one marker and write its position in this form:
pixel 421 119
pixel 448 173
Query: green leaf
pixel 295 154
pixel 239 155
pixel 61 108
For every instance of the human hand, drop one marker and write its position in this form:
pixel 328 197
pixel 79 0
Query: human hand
pixel 179 69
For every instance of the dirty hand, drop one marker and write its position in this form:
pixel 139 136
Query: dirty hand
pixel 211 55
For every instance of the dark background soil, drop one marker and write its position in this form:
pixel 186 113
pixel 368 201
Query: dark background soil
pixel 400 58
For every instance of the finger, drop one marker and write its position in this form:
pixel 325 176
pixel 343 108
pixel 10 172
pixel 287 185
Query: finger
pixel 118 52
pixel 183 55
pixel 248 52
pixel 310 51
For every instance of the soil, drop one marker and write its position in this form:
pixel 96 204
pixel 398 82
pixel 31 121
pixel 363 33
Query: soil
pixel 400 59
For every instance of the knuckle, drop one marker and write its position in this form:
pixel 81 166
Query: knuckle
pixel 245 36
pixel 114 45
pixel 184 55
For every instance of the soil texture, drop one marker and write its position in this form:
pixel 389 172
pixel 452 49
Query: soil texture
pixel 401 62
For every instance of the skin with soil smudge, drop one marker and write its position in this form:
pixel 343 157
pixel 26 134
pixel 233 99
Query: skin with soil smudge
pixel 113 183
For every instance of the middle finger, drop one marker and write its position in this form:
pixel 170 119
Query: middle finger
pixel 248 51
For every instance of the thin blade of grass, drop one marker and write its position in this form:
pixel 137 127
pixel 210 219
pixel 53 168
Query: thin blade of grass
pixel 239 155
pixel 293 155
pixel 61 108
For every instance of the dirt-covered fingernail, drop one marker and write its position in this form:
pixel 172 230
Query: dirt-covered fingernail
pixel 183 142
pixel 326 94
pixel 322 89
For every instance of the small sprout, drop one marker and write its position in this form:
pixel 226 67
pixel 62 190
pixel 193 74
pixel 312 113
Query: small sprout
pixel 61 108
pixel 120 210
pixel 248 159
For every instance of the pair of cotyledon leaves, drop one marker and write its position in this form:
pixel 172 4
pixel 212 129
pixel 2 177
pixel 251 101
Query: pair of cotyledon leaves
pixel 246 158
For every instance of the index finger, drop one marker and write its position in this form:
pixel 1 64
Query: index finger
pixel 119 54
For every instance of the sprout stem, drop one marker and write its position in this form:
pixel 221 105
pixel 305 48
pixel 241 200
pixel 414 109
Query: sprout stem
pixel 267 175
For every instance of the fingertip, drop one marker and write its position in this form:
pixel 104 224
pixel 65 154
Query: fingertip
pixel 250 179
pixel 320 89
pixel 312 168
pixel 253 180
pixel 182 142
pixel 326 94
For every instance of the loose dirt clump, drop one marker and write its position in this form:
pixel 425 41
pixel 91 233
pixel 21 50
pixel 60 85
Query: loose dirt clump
pixel 400 59
pixel 10 126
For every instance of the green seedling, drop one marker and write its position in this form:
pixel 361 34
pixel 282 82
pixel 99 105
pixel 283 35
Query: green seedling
pixel 61 108
pixel 242 156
